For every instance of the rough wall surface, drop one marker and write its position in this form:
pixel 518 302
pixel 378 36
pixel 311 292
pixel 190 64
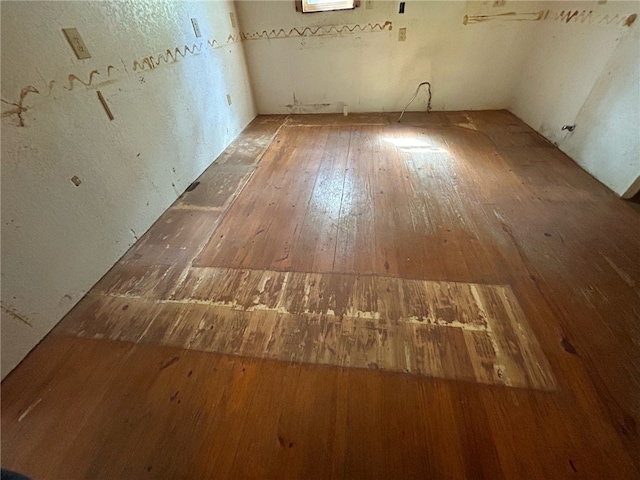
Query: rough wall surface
pixel 167 92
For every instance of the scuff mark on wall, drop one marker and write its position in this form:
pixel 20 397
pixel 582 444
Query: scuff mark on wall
pixel 14 313
pixel 323 30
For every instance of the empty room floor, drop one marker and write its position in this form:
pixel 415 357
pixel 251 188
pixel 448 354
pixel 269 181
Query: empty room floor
pixel 349 297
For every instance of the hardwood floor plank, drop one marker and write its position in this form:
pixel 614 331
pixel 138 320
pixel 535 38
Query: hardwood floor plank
pixel 315 248
pixel 356 233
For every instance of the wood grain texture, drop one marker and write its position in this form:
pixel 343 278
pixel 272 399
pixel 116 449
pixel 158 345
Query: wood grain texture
pixel 390 221
pixel 473 332
pixel 109 409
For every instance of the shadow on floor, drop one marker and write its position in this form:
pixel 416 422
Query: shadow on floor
pixel 635 202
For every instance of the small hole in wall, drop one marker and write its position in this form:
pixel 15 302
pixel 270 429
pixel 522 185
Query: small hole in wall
pixel 76 181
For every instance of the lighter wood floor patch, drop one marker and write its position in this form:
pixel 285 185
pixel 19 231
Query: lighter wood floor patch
pixel 464 331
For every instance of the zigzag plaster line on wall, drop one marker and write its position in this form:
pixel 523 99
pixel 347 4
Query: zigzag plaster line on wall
pixel 149 62
pixel 320 31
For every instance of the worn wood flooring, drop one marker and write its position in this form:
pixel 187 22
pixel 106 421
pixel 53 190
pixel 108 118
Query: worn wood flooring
pixel 348 297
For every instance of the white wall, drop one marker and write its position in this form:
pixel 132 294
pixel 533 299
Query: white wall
pixel 606 141
pixel 586 72
pixel 170 123
pixel 469 66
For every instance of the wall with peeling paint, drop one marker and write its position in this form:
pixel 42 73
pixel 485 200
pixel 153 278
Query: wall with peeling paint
pixel 320 62
pixel 167 91
pixel 582 68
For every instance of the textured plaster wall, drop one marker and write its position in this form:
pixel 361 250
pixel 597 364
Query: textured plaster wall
pixel 170 122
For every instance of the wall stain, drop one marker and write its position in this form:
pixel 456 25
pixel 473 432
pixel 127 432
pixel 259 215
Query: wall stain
pixel 566 16
pixel 14 313
pixel 297 106
pixel 323 30
pixel 507 16
pixel 309 105
pixel 19 107
pixel 588 16
pixel 630 19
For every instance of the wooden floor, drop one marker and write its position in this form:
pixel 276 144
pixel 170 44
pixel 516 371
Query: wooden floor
pixel 348 297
